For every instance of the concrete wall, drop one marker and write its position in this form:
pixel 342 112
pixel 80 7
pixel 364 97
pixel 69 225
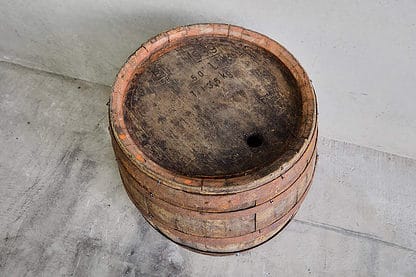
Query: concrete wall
pixel 361 55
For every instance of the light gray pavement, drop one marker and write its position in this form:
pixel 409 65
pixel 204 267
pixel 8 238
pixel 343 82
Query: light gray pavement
pixel 64 212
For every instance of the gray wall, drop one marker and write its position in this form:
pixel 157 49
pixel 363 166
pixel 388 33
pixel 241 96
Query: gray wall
pixel 361 55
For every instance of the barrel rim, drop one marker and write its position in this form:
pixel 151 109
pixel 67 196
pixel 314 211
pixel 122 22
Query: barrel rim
pixel 206 185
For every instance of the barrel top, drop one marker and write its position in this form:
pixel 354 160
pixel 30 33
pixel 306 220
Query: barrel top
pixel 212 101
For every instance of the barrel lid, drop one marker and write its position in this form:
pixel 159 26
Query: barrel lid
pixel 213 107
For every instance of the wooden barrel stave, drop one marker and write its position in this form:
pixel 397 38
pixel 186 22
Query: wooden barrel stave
pixel 212 213
pixel 222 224
pixel 224 245
pixel 213 203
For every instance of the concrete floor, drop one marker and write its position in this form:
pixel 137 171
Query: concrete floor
pixel 64 211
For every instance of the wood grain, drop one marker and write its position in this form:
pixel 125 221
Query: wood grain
pixel 214 128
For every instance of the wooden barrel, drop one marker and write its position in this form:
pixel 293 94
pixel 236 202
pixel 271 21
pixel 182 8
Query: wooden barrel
pixel 214 128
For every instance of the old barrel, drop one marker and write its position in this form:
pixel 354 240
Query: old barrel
pixel 214 128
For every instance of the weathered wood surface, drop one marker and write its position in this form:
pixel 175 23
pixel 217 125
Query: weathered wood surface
pixel 213 106
pixel 220 244
pixel 220 224
pixel 214 129
pixel 213 203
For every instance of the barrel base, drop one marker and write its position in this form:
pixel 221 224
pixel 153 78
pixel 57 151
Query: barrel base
pixel 210 253
pixel 222 246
